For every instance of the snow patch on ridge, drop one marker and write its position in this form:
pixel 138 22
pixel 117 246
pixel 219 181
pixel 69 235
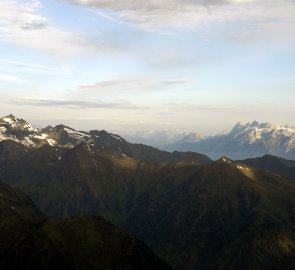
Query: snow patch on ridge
pixel 29 127
pixel 8 120
pixel 77 134
pixel 117 137
pixel 51 142
pixel 41 137
pixel 3 129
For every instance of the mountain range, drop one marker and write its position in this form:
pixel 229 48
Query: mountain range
pixel 193 212
pixel 245 140
pixel 61 136
pixel 159 138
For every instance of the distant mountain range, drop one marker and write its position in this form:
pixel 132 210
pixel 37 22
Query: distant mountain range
pixel 159 138
pixel 245 140
pixel 195 213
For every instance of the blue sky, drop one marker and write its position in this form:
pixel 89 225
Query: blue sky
pixel 189 65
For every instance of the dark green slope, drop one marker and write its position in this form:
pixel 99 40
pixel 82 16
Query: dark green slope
pixel 84 180
pixel 31 241
pixel 220 218
pixel 274 164
pixel 224 215
pixel 11 152
pixel 87 179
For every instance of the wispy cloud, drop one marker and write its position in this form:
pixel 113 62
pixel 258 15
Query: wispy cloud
pixel 232 110
pixel 177 81
pixel 74 104
pixel 21 25
pixel 201 107
pixel 133 83
pixel 35 68
pixel 11 79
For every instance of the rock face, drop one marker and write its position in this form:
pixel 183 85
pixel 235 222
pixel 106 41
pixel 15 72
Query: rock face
pixel 245 140
pixel 30 240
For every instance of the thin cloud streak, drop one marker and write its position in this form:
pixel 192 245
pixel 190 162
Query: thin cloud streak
pixel 133 83
pixel 208 108
pixel 74 104
pixel 36 68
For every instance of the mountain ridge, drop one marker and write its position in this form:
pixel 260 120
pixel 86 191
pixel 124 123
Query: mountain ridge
pixel 236 212
pixel 245 140
pixel 19 130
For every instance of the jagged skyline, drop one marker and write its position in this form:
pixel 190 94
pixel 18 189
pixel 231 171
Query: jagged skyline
pixel 192 66
pixel 246 140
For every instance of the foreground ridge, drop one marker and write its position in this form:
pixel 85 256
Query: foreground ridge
pixel 29 240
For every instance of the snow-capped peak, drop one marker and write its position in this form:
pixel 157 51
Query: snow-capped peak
pixel 10 120
pixel 19 130
pixel 251 125
pixel 191 138
pixel 12 128
pixel 267 133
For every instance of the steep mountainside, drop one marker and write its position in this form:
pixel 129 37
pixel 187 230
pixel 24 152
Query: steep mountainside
pixel 11 152
pixel 86 179
pixel 225 216
pixel 245 141
pixel 31 241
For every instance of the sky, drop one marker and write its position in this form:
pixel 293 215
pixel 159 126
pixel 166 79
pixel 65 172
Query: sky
pixel 119 65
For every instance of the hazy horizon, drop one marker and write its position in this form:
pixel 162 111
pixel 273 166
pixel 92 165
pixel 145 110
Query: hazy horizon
pixel 141 128
pixel 193 66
